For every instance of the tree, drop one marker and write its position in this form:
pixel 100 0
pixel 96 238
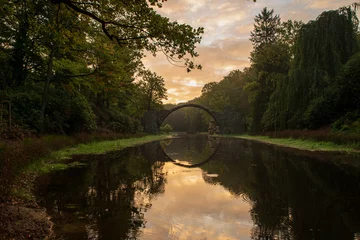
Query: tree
pixel 50 54
pixel 152 88
pixel 137 25
pixel 269 58
pixel 266 29
pixel 208 87
pixel 321 49
pixel 289 31
pixel 226 96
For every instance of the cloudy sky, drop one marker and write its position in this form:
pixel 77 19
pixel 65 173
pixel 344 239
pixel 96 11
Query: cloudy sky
pixel 225 45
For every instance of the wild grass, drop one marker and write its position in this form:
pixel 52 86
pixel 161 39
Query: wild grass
pixel 104 146
pixel 303 144
pixel 350 139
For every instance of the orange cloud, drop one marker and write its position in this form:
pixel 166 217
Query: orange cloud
pixel 217 61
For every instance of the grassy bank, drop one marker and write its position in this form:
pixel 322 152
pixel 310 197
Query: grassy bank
pixel 302 144
pixel 42 154
pixel 55 160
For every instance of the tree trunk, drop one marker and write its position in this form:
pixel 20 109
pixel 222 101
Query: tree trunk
pixel 20 49
pixel 49 76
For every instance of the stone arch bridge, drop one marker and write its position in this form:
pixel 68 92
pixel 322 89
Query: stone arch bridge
pixel 153 119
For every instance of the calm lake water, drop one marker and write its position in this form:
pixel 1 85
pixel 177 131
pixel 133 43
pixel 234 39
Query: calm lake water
pixel 195 187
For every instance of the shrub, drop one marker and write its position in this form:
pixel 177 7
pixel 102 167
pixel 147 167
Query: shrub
pixel 66 112
pixel 349 122
pixel 80 118
pixel 166 129
pixel 117 121
pixel 320 111
pixel 26 104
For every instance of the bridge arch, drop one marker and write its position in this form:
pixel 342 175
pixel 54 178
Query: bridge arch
pixel 163 114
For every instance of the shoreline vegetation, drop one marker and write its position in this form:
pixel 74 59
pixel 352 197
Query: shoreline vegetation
pixel 20 215
pixel 302 144
pixel 56 160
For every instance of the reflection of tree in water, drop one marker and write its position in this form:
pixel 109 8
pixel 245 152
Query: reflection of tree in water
pixel 190 148
pixel 105 200
pixel 292 197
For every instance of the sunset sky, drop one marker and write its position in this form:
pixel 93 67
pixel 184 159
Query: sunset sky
pixel 225 45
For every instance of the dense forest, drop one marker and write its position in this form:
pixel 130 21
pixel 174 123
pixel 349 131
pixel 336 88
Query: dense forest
pixel 302 76
pixel 71 67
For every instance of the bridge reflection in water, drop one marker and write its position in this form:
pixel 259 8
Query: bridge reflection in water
pixel 197 155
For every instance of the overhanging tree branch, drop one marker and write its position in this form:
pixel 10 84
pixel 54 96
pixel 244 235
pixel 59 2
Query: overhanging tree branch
pixel 137 25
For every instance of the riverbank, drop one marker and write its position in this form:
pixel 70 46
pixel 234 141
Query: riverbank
pixel 56 159
pixel 303 144
pixel 20 216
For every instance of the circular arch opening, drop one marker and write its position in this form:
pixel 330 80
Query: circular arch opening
pixel 190 118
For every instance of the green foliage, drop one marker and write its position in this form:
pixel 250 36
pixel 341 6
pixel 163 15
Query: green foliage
pixel 350 122
pixel 26 107
pixel 315 87
pixel 289 31
pixel 151 90
pixel 321 49
pixel 266 29
pixel 321 110
pixel 80 118
pixel 120 122
pixel 66 112
pixel 227 96
pixel 166 128
pixel 60 57
pixel 348 83
pixel 275 115
pixel 268 73
pixel 137 25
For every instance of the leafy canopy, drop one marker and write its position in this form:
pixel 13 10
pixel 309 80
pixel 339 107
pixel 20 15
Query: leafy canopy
pixel 137 25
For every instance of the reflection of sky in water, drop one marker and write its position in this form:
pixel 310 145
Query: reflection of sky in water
pixel 190 208
pixel 117 194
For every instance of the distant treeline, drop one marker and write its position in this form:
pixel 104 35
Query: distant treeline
pixel 302 76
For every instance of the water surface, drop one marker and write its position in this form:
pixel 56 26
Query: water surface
pixel 196 187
